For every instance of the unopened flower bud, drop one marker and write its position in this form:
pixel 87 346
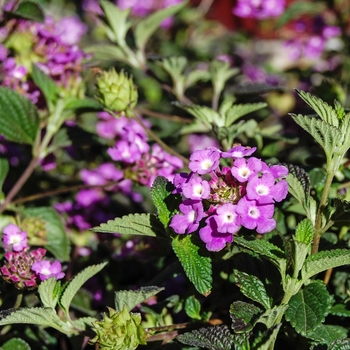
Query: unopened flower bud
pixel 116 91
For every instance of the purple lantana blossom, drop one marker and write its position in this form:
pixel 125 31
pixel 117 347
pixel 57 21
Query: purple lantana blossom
pixel 191 214
pixel 256 216
pixel 244 169
pixel 14 238
pixel 46 270
pixel 196 188
pixel 213 239
pixel 238 152
pixel 124 151
pixel 264 190
pixel 204 161
pixel 227 219
pixel 259 9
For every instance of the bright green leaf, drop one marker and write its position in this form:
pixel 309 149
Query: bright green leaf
pixel 131 298
pixel 304 232
pixel 308 308
pixel 49 291
pixel 19 119
pixel 240 110
pixel 76 283
pixel 323 261
pixel 85 103
pixel 196 262
pixel 133 224
pixel 57 239
pixel 193 308
pixel 252 288
pixel 147 26
pixel 15 344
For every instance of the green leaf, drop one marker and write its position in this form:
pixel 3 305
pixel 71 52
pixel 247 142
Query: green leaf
pixel 107 52
pixel 75 284
pixel 4 169
pixel 133 224
pixel 29 10
pixel 323 261
pixel 49 291
pixel 84 103
pixel 60 140
pixel 131 298
pixel 266 249
pixel 252 288
pixel 242 315
pixel 147 26
pixel 117 20
pixel 196 262
pixel 304 232
pixel 193 308
pixel 240 110
pixel 47 86
pixel 19 119
pixel 341 344
pixel 57 240
pixel 213 338
pixel 308 308
pixel 326 112
pixel 326 334
pixel 163 199
pixel 220 72
pixel 15 344
pixel 340 310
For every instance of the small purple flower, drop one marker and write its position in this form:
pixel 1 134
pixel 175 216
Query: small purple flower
pixel 188 220
pixel 46 270
pixel 244 169
pixel 213 239
pixel 265 191
pixel 125 151
pixel 196 188
pixel 256 216
pixel 227 219
pixel 238 152
pixel 260 9
pixel 15 238
pixel 204 161
pixel 278 171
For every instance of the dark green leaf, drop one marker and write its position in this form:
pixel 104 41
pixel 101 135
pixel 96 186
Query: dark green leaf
pixel 340 310
pixel 163 199
pixel 242 315
pixel 341 211
pixel 57 239
pixel 308 308
pixel 304 232
pixel 213 338
pixel 45 84
pixel 29 10
pixel 133 224
pixel 326 334
pixel 193 308
pixel 196 262
pixel 268 339
pixel 342 344
pixel 4 169
pixel 252 288
pixel 15 344
pixel 19 119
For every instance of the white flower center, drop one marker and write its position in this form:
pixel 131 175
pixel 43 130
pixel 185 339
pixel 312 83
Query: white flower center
pixel 191 216
pixel 244 172
pixel 254 212
pixel 206 164
pixel 198 190
pixel 45 271
pixel 262 190
pixel 228 218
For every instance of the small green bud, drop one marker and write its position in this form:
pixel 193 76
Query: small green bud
pixel 119 331
pixel 116 92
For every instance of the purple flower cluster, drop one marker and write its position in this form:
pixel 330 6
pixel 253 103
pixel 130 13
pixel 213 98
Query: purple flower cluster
pixel 22 267
pixel 259 9
pixel 141 162
pixel 51 46
pixel 217 200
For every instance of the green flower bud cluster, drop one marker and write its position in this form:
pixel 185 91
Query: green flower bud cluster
pixel 116 91
pixel 119 331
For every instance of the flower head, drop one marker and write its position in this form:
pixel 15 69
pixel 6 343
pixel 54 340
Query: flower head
pixel 14 238
pixel 45 269
pixel 204 161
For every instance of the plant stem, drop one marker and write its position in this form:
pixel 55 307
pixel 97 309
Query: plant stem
pixel 323 202
pixel 159 141
pixel 20 182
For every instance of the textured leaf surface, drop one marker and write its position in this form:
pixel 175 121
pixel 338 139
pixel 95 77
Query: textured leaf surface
pixel 304 232
pixel 213 338
pixel 49 291
pixel 15 344
pixel 308 308
pixel 240 110
pixel 341 310
pixel 196 262
pixel 324 260
pixel 29 10
pixel 326 334
pixel 146 27
pixel 163 199
pixel 342 344
pixel 131 298
pixel 4 169
pixel 203 113
pixel 57 239
pixel 242 314
pixel 133 224
pixel 252 288
pixel 193 307
pixel 19 119
pixel 45 84
pixel 76 283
